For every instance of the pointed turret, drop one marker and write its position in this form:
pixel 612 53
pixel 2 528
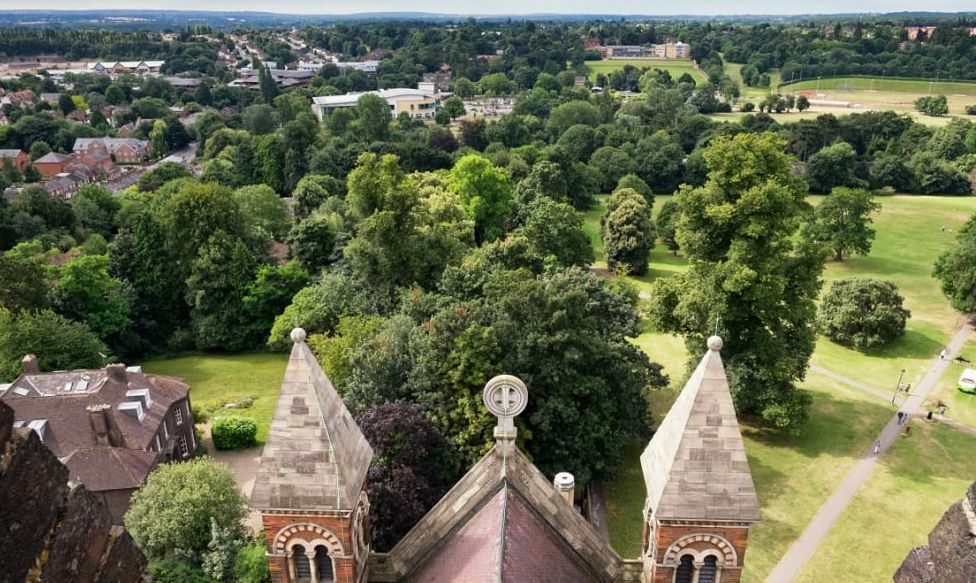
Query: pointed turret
pixel 310 487
pixel 701 499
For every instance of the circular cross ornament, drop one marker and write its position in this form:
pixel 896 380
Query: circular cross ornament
pixel 506 396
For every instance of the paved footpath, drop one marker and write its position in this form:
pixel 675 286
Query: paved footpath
pixel 803 548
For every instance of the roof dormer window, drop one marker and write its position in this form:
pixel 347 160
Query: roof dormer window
pixel 133 409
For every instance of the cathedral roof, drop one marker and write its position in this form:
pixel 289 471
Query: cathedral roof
pixel 695 466
pixel 504 522
pixel 315 458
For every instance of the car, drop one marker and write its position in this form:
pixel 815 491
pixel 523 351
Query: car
pixel 967 381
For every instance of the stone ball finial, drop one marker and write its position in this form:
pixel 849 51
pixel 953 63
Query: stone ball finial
pixel 298 335
pixel 715 343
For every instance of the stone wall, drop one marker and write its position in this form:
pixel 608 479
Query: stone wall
pixel 950 556
pixel 49 531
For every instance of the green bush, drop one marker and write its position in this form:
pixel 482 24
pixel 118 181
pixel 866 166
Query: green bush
pixel 234 432
pixel 862 313
pixel 177 571
pixel 251 564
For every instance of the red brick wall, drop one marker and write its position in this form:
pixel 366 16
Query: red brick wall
pixel 666 535
pixel 345 571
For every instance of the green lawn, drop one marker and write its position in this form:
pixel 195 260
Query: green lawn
pixel 216 379
pixel 676 67
pixel 959 406
pixel 906 495
pixel 794 475
pixel 909 238
pixel 884 84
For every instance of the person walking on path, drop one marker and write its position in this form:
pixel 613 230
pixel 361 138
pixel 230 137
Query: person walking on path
pixel 877 447
pixel 942 354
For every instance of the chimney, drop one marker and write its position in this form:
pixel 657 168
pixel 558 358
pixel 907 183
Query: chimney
pixel 116 371
pixel 96 416
pixel 103 425
pixel 566 486
pixel 29 364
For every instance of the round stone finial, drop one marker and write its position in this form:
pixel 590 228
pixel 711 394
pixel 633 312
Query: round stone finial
pixel 506 396
pixel 715 343
pixel 298 335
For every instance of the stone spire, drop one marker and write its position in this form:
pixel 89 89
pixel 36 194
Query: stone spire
pixel 316 458
pixel 701 500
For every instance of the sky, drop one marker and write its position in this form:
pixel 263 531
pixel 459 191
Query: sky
pixel 698 7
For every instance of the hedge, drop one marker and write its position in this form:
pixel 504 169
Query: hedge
pixel 234 432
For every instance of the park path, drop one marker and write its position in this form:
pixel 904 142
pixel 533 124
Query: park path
pixel 803 548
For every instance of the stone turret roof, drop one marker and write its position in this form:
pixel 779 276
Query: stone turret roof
pixel 695 466
pixel 315 458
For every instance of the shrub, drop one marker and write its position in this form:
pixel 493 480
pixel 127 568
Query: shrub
pixel 748 107
pixel 971 110
pixel 177 571
pixel 234 432
pixel 862 313
pixel 251 564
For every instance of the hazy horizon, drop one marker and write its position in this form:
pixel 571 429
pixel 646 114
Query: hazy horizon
pixel 513 7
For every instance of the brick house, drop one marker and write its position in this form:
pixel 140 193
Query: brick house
pixel 122 150
pixel 52 164
pixel 109 426
pixel 18 158
pixel 61 185
pixel 504 521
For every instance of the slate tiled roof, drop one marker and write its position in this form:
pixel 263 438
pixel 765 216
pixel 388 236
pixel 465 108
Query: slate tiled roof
pixel 315 458
pixel 63 398
pixel 505 540
pixel 695 466
pixel 53 158
pixel 504 521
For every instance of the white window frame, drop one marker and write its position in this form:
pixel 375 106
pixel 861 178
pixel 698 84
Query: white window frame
pixel 165 429
pixel 179 415
pixel 184 450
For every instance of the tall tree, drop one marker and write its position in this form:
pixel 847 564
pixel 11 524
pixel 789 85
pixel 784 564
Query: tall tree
pixel 628 231
pixel 486 194
pixel 956 269
pixel 746 280
pixel 842 222
pixel 373 117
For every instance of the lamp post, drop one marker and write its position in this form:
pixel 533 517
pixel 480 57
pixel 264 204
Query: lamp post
pixel 898 386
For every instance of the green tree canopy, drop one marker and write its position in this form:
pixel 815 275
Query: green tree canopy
pixel 862 313
pixel 746 279
pixel 486 194
pixel 628 231
pixel 58 343
pixel 172 512
pixel 842 222
pixel 831 167
pixel 956 269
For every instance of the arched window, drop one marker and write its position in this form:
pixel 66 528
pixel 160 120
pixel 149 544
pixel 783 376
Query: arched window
pixel 323 564
pixel 686 570
pixel 303 569
pixel 709 570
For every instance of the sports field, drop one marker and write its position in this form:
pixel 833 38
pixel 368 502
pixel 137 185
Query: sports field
pixel 674 66
pixel 878 93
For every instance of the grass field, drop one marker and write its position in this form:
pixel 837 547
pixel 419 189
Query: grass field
pixel 794 475
pixel 906 495
pixel 216 379
pixel 877 93
pixel 959 406
pixel 674 66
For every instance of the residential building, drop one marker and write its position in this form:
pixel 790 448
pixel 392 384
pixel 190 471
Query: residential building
pixel 283 78
pixel 61 185
pixel 123 150
pixel 18 158
pixel 368 67
pixel 109 426
pixel 52 164
pixel 114 68
pixel 23 98
pixel 420 103
pixel 184 82
pixel 504 521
